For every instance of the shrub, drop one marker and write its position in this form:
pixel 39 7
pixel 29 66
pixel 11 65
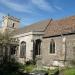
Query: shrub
pixel 30 62
pixel 10 67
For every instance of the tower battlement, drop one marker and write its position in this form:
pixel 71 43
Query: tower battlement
pixel 11 18
pixel 10 23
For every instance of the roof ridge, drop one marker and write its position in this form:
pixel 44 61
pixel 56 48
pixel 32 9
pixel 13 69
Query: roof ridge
pixel 66 18
pixel 47 25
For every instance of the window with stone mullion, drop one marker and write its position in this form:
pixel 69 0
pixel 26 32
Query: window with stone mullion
pixel 52 46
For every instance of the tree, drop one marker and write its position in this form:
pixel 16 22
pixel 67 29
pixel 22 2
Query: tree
pixel 6 41
pixel 8 65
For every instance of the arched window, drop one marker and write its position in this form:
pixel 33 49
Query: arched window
pixel 23 49
pixel 52 46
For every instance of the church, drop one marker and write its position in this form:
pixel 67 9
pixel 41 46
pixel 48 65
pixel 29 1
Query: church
pixel 48 42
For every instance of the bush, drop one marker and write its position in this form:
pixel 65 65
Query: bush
pixel 72 62
pixel 10 67
pixel 30 62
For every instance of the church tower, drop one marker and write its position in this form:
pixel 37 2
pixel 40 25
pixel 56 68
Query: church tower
pixel 10 23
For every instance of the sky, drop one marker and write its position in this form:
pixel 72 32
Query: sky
pixel 31 11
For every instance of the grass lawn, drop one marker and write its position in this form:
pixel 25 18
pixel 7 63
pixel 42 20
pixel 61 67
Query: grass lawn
pixel 70 71
pixel 29 68
pixel 33 68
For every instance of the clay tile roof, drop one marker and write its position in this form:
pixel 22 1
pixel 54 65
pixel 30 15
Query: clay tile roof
pixel 39 26
pixel 51 27
pixel 59 27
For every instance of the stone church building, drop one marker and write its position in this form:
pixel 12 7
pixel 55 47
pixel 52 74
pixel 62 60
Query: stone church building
pixel 49 42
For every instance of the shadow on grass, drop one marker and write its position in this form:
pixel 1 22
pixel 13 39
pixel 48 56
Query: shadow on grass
pixel 10 67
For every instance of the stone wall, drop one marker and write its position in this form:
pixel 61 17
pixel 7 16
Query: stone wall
pixel 64 47
pixel 70 50
pixel 29 47
pixel 29 38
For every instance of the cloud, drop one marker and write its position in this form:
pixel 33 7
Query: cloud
pixel 58 8
pixel 46 5
pixel 16 6
pixel 43 4
pixel 1 15
pixel 31 7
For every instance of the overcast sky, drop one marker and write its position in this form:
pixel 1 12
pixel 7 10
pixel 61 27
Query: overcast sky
pixel 31 11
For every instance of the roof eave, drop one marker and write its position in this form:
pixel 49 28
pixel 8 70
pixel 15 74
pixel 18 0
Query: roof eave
pixel 72 33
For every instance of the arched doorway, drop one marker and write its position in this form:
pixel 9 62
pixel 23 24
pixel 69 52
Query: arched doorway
pixel 37 47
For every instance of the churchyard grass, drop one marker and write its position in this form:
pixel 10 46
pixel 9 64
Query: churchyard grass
pixel 69 71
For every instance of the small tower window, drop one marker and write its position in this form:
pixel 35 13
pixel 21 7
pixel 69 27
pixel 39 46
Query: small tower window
pixel 13 25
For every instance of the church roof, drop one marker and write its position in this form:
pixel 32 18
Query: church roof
pixel 61 27
pixel 51 27
pixel 39 26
